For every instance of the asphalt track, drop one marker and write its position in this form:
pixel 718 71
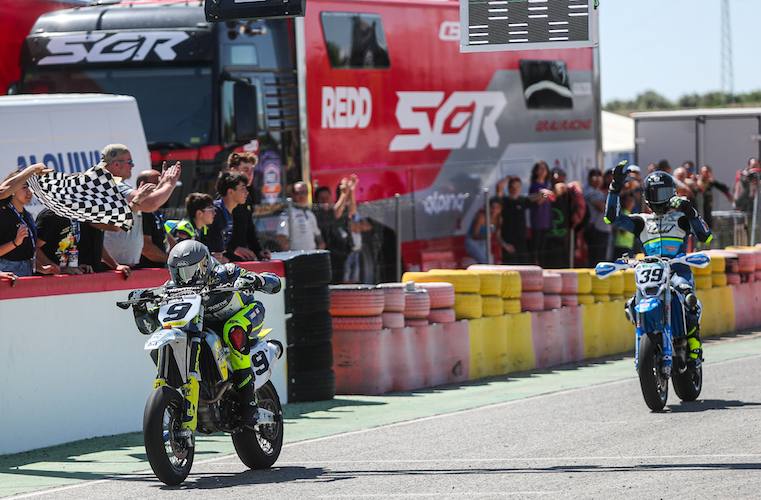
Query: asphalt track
pixel 575 432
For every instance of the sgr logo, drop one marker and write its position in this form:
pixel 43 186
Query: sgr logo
pixel 457 123
pixel 346 107
pixel 102 47
pixel 449 31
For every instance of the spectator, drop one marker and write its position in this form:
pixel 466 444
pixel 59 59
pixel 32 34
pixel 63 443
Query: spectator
pixel 663 166
pixel 569 212
pixel 746 185
pixel 513 237
pixel 301 224
pixel 540 214
pixel 126 247
pixel 244 230
pixel 623 240
pixel 337 239
pixel 156 241
pixel 651 167
pixel 597 233
pixel 706 184
pixel 357 226
pixel 18 234
pixel 199 214
pixel 475 240
pixel 8 276
pixel 16 180
pixel 685 185
pixel 232 191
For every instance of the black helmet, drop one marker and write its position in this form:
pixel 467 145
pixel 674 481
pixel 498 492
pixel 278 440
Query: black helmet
pixel 189 263
pixel 660 187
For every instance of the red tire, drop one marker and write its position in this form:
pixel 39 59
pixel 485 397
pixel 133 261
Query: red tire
pixel 393 320
pixel 552 301
pixel 445 315
pixel 569 300
pixel 417 304
pixel 570 282
pixel 356 300
pixel 393 296
pixel 532 301
pixel 415 322
pixel 553 283
pixel 733 279
pixel 357 323
pixel 440 294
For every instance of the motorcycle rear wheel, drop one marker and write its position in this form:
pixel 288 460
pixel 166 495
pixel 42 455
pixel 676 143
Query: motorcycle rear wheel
pixel 654 384
pixel 260 449
pixel 168 454
pixel 688 385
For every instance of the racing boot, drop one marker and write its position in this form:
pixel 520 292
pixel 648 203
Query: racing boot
pixel 244 384
pixel 694 344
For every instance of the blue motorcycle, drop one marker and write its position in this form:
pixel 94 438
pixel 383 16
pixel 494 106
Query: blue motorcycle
pixel 658 313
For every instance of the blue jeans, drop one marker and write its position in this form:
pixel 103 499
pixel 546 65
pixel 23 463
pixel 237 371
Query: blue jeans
pixel 17 267
pixel 476 249
pixel 351 267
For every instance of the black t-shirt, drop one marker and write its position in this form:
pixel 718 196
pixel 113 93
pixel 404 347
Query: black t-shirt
pixel 244 231
pixel 153 226
pixel 219 234
pixel 54 229
pixel 514 221
pixel 9 224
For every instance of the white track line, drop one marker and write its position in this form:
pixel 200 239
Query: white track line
pixel 380 427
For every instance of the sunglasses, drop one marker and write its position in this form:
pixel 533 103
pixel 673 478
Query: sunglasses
pixel 130 162
pixel 209 209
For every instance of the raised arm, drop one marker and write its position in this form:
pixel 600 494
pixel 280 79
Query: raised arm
pixel 152 201
pixel 695 222
pixel 613 213
pixel 14 183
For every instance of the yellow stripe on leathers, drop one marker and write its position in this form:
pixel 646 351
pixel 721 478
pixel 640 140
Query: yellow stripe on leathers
pixel 520 344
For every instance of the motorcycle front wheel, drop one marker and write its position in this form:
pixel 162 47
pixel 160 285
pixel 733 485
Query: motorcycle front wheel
pixel 260 449
pixel 652 381
pixel 688 385
pixel 168 452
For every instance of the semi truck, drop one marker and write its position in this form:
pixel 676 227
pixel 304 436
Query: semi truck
pixel 376 88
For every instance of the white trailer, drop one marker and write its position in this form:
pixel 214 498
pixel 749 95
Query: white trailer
pixel 722 138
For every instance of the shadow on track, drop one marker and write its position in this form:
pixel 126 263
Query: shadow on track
pixel 710 404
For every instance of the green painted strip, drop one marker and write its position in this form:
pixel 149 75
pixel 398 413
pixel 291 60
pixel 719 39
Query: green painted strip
pixel 100 457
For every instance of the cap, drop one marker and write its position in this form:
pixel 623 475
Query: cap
pixel 633 168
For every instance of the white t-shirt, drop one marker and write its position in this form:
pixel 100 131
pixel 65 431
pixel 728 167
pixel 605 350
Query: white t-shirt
pixel 304 230
pixel 126 247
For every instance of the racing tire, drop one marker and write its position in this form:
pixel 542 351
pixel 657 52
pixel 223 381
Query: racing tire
pixel 260 449
pixel 688 385
pixel 361 323
pixel 163 416
pixel 307 299
pixel 310 358
pixel 356 300
pixel 319 385
pixel 309 329
pixel 441 294
pixel 654 386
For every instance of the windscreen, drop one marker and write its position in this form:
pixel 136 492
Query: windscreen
pixel 175 103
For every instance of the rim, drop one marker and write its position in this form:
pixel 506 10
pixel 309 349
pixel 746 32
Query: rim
pixel 660 379
pixel 267 434
pixel 175 449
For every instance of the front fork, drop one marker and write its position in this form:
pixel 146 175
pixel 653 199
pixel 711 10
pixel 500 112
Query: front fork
pixel 667 345
pixel 190 389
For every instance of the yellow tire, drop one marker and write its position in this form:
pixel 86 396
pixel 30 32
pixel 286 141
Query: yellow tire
pixel 511 306
pixel 614 298
pixel 491 282
pixel 718 280
pixel 705 282
pixel 586 299
pixel 718 264
pixel 600 286
pixel 492 306
pixel 630 285
pixel 616 283
pixel 602 298
pixel 511 285
pixel 468 306
pixel 585 280
pixel 463 281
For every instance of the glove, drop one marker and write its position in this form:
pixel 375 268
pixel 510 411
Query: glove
pixel 683 204
pixel 619 176
pixel 270 283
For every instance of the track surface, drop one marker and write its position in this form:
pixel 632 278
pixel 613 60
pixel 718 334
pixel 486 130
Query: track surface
pixel 596 440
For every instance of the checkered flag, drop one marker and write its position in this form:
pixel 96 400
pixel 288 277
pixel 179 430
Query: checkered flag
pixel 90 196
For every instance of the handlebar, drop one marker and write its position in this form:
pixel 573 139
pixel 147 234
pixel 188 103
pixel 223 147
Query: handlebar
pixel 162 293
pixel 605 269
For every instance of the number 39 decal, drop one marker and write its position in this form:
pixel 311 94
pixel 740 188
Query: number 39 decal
pixel 650 275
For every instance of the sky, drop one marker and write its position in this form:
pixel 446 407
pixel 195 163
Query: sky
pixel 674 46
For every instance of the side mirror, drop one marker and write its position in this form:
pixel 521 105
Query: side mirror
pixel 245 112
pixel 230 10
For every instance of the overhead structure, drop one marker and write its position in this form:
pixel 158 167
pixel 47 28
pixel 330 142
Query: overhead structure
pixel 727 68
pixel 499 25
pixel 231 10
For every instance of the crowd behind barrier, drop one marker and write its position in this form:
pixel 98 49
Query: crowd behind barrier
pixel 448 326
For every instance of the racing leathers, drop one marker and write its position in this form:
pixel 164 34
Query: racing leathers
pixel 666 235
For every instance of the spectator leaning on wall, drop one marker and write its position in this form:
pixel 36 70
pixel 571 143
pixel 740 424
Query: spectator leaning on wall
pixel 232 192
pixel 156 241
pixel 126 247
pixel 18 233
pixel 199 214
pixel 244 229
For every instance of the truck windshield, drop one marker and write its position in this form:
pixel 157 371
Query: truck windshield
pixel 175 103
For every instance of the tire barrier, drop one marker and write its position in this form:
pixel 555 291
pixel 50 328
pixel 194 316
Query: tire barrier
pixel 553 283
pixel 309 330
pixel 417 305
pixel 552 301
pixel 393 297
pixel 362 361
pixel 704 282
pixel 616 283
pixel 532 301
pixel 511 285
pixel 440 294
pixel 492 306
pixel 356 300
pixel 511 306
pixel 569 300
pixel 586 299
pixel 569 282
pixel 468 306
pixel 415 322
pixel 491 281
pixel 718 280
pixel 352 323
pixel 445 315
pixel 532 279
pixel 463 281
pixel 393 320
pixel 630 286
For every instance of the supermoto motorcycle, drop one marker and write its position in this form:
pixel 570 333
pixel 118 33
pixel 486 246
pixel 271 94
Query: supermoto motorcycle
pixel 661 348
pixel 180 344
